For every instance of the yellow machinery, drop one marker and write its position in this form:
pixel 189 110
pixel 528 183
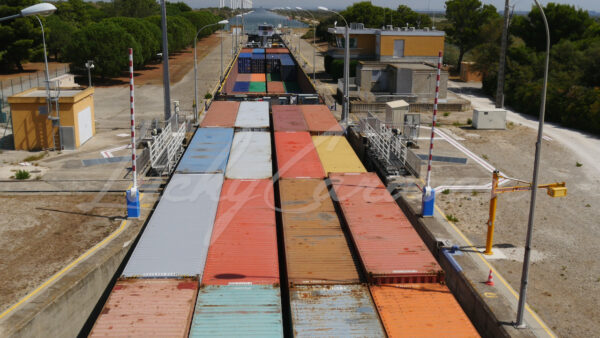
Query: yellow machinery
pixel 553 189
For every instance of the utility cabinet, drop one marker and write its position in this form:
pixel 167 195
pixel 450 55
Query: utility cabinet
pixel 489 119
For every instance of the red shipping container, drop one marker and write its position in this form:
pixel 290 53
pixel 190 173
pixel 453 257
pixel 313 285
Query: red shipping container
pixel 148 307
pixel 221 114
pixel 244 78
pixel 246 50
pixel 297 156
pixel 319 119
pixel 421 310
pixel 275 87
pixel 288 118
pixel 243 245
pixel 389 248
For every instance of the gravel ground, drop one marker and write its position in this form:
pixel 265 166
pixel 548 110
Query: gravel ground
pixel 565 274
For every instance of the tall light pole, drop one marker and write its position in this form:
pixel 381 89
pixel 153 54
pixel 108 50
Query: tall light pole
pixel 346 101
pixel 237 33
pixel 43 9
pixel 89 65
pixel 195 64
pixel 534 183
pixel 165 55
pixel 502 63
pixel 314 41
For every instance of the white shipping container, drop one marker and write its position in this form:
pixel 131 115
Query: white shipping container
pixel 250 156
pixel 253 115
pixel 176 239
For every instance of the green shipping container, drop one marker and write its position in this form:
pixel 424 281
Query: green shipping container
pixel 273 77
pixel 258 87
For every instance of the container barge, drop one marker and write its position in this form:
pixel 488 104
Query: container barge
pixel 271 226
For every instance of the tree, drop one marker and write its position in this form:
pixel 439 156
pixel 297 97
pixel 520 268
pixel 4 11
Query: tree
pixel 75 12
pixel 364 12
pixel 200 19
pixel 60 34
pixel 404 15
pixel 564 21
pixel 180 31
pixel 107 45
pixel 20 39
pixel 177 8
pixel 145 33
pixel 136 8
pixel 467 17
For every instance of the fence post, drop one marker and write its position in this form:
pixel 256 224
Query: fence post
pixel 12 88
pixel 21 81
pixel 37 77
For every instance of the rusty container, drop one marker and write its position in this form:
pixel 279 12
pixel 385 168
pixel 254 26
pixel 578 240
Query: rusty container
pixel 316 249
pixel 288 118
pixel 243 245
pixel 390 249
pixel 148 307
pixel 297 156
pixel 421 310
pixel 221 114
pixel 320 120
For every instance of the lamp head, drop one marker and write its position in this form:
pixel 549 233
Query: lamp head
pixel 43 9
pixel 323 8
pixel 223 22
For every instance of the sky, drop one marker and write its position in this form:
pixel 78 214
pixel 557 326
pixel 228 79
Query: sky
pixel 520 5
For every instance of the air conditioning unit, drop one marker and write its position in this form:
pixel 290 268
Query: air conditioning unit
pixel 390 27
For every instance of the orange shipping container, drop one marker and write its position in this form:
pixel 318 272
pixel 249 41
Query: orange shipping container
pixel 243 246
pixel 421 310
pixel 221 114
pixel 148 307
pixel 297 156
pixel 258 78
pixel 320 119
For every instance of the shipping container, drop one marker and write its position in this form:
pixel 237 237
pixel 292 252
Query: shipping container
pixel 244 78
pixel 334 311
pixel 274 77
pixel 257 87
pixel 288 118
pixel 421 310
pixel 250 156
pixel 148 307
pixel 207 152
pixel 257 77
pixel 221 114
pixel 337 155
pixel 253 115
pixel 244 63
pixel 278 50
pixel 276 87
pixel 246 50
pixel 241 87
pixel 243 246
pixel 316 249
pixel 258 51
pixel 258 63
pixel 297 156
pixel 238 311
pixel 176 239
pixel 390 249
pixel 292 87
pixel 320 119
pixel 273 63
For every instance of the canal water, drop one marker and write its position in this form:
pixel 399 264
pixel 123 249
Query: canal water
pixel 261 16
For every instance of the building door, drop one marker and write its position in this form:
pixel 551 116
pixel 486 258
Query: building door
pixel 398 48
pixel 84 119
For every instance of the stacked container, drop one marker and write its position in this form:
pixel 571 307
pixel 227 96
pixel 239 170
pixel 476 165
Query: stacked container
pixel 250 156
pixel 207 152
pixel 258 62
pixel 245 63
pixel 320 120
pixel 288 68
pixel 273 63
pixel 389 247
pixel 221 114
pixel 253 115
pixel 288 118
pixel 337 155
pixel 296 156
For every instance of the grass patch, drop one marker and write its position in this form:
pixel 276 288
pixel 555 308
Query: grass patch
pixel 452 218
pixel 474 193
pixel 22 175
pixel 446 191
pixel 484 156
pixel 469 121
pixel 37 157
pixel 446 114
pixel 577 164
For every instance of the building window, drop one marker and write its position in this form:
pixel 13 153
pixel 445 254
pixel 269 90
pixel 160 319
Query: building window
pixel 340 42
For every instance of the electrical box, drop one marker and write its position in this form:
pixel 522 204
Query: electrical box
pixel 557 191
pixel 489 119
pixel 394 113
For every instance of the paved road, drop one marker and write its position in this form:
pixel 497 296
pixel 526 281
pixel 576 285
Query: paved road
pixel 584 145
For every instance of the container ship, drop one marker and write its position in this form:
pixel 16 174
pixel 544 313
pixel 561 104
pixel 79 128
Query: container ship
pixel 271 226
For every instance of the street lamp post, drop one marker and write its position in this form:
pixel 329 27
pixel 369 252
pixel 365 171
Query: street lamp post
pixel 346 101
pixel 534 183
pixel 195 66
pixel 43 9
pixel 89 65
pixel 314 42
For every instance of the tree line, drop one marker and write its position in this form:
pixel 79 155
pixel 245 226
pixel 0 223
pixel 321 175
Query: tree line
pixel 100 31
pixel 573 97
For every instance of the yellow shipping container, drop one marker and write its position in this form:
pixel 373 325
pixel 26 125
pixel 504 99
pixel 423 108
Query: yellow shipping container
pixel 337 156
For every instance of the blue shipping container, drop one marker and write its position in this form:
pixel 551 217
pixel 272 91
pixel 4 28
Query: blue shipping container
pixel 208 152
pixel 241 87
pixel 237 311
pixel 334 311
pixel 245 55
pixel 258 50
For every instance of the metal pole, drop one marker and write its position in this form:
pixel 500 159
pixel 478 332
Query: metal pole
pixel 165 47
pixel 195 79
pixel 502 63
pixel 89 77
pixel 534 184
pixel 48 98
pixel 492 218
pixel 132 111
pixel 346 77
pixel 435 108
pixel 221 34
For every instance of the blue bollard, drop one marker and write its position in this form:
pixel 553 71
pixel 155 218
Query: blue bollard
pixel 133 203
pixel 427 206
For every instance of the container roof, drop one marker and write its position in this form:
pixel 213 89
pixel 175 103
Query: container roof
pixel 397 104
pixel 396 32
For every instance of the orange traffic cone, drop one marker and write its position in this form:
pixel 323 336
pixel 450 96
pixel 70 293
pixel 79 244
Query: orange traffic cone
pixel 490 280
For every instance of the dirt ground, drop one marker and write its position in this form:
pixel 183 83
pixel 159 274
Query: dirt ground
pixel 180 64
pixel 31 68
pixel 41 234
pixel 564 283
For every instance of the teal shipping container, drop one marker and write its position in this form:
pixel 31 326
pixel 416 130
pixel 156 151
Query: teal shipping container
pixel 243 310
pixel 334 311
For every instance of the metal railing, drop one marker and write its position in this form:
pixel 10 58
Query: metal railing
pixel 390 149
pixel 167 146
